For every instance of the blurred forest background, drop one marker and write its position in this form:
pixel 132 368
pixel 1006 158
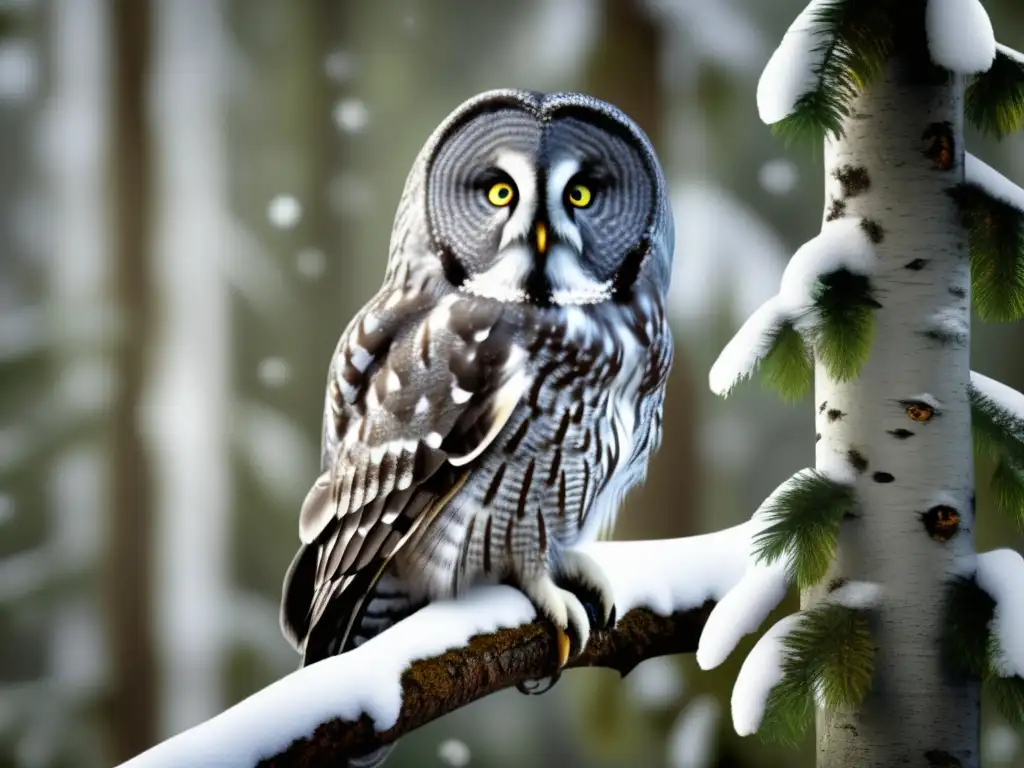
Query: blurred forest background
pixel 196 196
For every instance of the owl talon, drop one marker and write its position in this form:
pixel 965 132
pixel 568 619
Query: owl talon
pixel 565 611
pixel 581 575
pixel 538 687
pixel 564 646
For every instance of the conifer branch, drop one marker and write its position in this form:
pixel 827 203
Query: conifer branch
pixel 845 322
pixel 804 517
pixel 788 368
pixel 970 646
pixel 995 99
pixel 996 237
pixel 997 430
pixel 1008 490
pixel 856 38
pixel 829 661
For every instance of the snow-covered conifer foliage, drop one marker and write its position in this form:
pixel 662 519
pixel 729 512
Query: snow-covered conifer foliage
pixel 900 618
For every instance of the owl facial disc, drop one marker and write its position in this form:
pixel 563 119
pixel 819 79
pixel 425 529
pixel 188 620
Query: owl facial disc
pixel 543 200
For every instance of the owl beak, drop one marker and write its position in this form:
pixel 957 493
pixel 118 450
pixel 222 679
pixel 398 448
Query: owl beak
pixel 541 233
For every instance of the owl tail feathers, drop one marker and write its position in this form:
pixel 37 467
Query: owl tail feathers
pixel 297 597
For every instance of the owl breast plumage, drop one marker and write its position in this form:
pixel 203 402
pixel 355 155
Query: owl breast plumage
pixel 488 410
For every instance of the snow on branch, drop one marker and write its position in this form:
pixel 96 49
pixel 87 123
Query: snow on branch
pixel 743 608
pixel 985 628
pixel 452 653
pixel 802 513
pixel 1000 573
pixel 997 418
pixel 960 35
pixel 831 50
pixel 993 210
pixel 997 412
pixel 824 300
pixel 823 656
pixel 993 183
pixel 995 99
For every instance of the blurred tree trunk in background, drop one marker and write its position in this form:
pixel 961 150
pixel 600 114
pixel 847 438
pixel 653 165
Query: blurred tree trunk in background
pixel 74 132
pixel 301 203
pixel 129 559
pixel 188 397
pixel 625 69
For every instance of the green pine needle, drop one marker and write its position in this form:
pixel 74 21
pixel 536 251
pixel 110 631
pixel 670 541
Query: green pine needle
pixel 1008 693
pixel 804 519
pixel 996 236
pixel 968 611
pixel 970 647
pixel 856 42
pixel 817 114
pixel 834 647
pixel 846 307
pixel 997 431
pixel 995 100
pixel 830 652
pixel 788 713
pixel 788 368
pixel 1008 490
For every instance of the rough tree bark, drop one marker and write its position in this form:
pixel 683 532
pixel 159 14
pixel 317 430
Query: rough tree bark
pixel 490 663
pixel 902 152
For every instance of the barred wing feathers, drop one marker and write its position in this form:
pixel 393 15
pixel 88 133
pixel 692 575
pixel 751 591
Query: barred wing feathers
pixel 415 393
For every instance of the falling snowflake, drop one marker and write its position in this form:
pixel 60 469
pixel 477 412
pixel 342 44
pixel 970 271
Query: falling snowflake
pixel 284 211
pixel 454 753
pixel 274 372
pixel 340 66
pixel 1000 744
pixel 691 742
pixel 656 683
pixel 351 115
pixel 311 263
pixel 778 176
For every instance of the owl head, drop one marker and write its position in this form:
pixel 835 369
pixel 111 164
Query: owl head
pixel 544 199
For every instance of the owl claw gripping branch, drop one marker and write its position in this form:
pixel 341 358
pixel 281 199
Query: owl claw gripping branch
pixel 489 408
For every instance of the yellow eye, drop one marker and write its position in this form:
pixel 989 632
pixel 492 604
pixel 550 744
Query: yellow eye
pixel 580 195
pixel 500 194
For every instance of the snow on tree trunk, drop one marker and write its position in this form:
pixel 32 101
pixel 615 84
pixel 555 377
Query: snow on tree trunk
pixel 904 423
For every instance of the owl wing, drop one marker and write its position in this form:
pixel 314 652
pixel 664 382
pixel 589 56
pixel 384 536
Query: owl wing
pixel 416 391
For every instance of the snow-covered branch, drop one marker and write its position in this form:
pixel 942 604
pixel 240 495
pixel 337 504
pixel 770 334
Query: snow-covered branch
pixel 1000 573
pixel 831 50
pixel 831 269
pixel 960 35
pixel 993 183
pixel 993 211
pixel 452 653
pixel 985 628
pixel 997 416
pixel 995 98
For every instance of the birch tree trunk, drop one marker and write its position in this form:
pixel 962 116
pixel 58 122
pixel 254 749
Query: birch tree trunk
pixel 902 152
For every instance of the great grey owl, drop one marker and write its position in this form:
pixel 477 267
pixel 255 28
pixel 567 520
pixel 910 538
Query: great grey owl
pixel 488 409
